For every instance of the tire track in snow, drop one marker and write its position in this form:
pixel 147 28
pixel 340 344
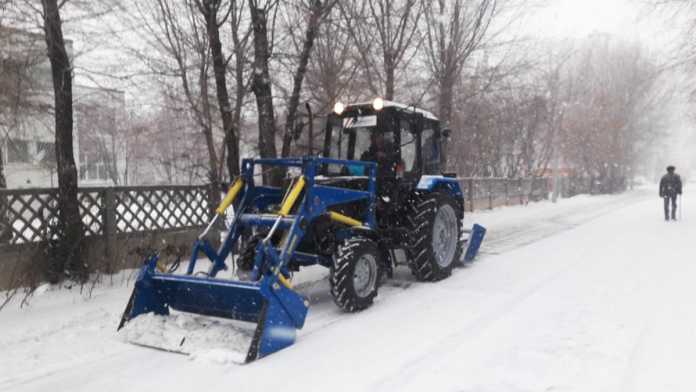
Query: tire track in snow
pixel 517 236
pixel 461 335
pixel 466 333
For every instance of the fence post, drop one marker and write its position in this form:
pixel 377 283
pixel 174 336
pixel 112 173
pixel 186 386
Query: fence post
pixel 507 191
pixel 490 194
pixel 470 184
pixel 109 224
pixel 519 190
pixel 5 225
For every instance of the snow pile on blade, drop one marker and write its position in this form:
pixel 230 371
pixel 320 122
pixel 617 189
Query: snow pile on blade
pixel 204 338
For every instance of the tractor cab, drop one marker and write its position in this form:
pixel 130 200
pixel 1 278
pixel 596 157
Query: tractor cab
pixel 404 141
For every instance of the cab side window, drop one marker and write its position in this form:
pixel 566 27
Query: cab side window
pixel 408 145
pixel 431 150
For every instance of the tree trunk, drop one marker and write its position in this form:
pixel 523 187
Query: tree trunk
pixel 68 253
pixel 207 130
pixel 261 85
pixel 446 99
pixel 389 87
pixel 233 146
pixel 210 9
pixel 5 233
pixel 240 43
pixel 3 181
pixel 310 34
pixel 445 103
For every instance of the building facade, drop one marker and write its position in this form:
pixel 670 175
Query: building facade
pixel 27 121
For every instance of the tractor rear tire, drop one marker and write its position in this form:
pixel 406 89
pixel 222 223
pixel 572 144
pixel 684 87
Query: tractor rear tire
pixel 355 274
pixel 436 244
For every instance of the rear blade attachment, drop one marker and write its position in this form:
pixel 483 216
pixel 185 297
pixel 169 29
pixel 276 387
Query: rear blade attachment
pixel 476 235
pixel 249 320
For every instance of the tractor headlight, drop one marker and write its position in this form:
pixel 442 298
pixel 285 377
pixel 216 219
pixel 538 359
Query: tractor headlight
pixel 339 108
pixel 378 103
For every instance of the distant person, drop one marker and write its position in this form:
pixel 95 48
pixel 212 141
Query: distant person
pixel 670 187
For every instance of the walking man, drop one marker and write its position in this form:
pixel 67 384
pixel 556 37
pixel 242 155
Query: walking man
pixel 670 187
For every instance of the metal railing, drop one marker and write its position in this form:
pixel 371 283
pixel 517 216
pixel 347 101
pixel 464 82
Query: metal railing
pixel 487 193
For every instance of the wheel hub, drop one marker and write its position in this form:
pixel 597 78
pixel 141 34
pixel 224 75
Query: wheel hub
pixel 445 232
pixel 365 275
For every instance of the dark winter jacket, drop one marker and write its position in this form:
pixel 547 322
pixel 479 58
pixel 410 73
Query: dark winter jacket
pixel 670 185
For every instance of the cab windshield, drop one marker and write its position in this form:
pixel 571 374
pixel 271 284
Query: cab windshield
pixel 356 138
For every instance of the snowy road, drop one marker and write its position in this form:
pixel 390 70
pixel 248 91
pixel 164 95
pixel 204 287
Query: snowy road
pixel 591 294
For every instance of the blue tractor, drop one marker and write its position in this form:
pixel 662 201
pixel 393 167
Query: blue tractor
pixel 377 190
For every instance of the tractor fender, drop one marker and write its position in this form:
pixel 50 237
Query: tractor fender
pixel 447 185
pixel 366 232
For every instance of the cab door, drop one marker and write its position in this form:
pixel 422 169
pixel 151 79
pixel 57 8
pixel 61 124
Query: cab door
pixel 431 147
pixel 410 165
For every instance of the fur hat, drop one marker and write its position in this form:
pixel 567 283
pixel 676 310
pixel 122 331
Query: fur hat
pixel 670 168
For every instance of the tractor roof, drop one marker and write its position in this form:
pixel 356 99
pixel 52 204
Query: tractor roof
pixel 392 104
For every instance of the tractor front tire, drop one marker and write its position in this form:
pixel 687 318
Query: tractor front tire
pixel 355 274
pixel 245 261
pixel 436 244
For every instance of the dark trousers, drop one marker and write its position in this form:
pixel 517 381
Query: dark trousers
pixel 673 198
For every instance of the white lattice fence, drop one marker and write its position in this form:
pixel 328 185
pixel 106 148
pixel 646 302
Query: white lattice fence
pixel 26 215
pixel 148 209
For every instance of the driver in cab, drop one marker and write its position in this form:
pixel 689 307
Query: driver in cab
pixel 381 152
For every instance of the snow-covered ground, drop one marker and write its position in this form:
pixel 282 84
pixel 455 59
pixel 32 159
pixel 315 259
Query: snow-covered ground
pixel 590 294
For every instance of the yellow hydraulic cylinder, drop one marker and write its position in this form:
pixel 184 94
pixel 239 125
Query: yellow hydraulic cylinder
pixel 231 195
pixel 292 197
pixel 282 279
pixel 346 220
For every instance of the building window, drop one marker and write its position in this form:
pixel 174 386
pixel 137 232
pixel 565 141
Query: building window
pixel 92 168
pixel 46 153
pixel 17 151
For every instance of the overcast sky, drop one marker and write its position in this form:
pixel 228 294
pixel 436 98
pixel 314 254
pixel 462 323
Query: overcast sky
pixel 574 18
pixel 629 19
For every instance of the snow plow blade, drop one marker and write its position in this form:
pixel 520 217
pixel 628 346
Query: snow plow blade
pixel 476 235
pixel 277 310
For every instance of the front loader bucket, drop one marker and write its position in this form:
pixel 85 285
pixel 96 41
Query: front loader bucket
pixel 277 310
pixel 476 235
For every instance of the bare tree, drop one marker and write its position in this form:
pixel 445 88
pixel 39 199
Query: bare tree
pixel 484 98
pixel 318 10
pixel 385 33
pixel 102 142
pixel 613 109
pixel 261 84
pixel 240 33
pixel 453 31
pixel 69 210
pixel 559 94
pixel 333 67
pixel 179 38
pixel 164 149
pixel 210 10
